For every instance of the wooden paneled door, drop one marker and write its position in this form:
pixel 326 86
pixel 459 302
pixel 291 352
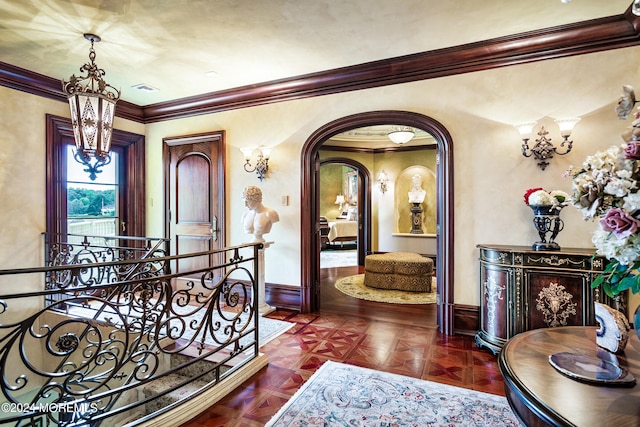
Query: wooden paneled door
pixel 194 197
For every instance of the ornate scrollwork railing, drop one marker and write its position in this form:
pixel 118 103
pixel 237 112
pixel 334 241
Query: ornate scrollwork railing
pixel 106 250
pixel 118 345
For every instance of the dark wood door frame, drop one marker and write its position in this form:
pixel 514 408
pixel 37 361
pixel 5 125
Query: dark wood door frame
pixel 310 264
pixel 216 137
pixel 364 205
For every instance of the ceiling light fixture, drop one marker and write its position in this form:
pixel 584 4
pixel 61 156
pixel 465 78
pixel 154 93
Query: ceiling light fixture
pixel 93 103
pixel 401 135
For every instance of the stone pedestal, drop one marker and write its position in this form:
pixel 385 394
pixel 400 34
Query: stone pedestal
pixel 416 219
pixel 263 307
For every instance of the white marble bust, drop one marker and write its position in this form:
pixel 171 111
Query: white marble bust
pixel 258 219
pixel 416 194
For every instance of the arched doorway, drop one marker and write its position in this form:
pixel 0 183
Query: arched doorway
pixel 310 236
pixel 364 203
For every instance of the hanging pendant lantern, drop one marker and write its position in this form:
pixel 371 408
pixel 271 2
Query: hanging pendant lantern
pixel 92 102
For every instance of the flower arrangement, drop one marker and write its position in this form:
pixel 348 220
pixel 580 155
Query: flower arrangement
pixel 539 197
pixel 546 206
pixel 607 188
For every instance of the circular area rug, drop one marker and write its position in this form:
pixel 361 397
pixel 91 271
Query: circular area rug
pixel 354 286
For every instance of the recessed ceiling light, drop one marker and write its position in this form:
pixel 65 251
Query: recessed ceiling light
pixel 144 87
pixel 211 74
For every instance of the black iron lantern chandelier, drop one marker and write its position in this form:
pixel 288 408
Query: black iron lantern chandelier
pixel 92 102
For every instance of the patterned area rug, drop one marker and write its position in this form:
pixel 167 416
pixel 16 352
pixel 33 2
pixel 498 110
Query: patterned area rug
pixel 345 395
pixel 271 328
pixel 268 329
pixel 338 258
pixel 354 286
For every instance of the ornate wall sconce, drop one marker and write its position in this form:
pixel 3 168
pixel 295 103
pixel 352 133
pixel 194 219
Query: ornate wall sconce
pixel 544 150
pixel 383 180
pixel 93 104
pixel 262 164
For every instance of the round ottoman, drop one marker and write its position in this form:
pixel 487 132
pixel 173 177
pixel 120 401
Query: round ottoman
pixel 403 271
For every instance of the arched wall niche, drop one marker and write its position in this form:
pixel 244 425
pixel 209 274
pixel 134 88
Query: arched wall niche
pixel 310 238
pixel 402 207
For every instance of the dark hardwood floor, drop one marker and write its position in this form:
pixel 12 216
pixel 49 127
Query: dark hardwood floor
pixel 401 339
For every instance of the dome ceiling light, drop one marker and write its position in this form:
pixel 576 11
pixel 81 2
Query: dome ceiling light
pixel 401 135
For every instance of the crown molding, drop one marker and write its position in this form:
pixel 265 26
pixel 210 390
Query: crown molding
pixel 366 150
pixel 567 40
pixel 38 84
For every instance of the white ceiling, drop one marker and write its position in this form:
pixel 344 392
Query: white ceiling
pixel 376 137
pixel 172 44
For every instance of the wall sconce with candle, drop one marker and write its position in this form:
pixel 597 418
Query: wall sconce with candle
pixel 262 163
pixel 544 149
pixel 383 180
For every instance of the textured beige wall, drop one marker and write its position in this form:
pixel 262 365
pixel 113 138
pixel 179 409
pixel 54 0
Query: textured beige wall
pixel 22 174
pixel 490 174
pixel 331 185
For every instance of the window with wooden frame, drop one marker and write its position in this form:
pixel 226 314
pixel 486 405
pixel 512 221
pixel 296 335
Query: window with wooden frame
pixel 128 183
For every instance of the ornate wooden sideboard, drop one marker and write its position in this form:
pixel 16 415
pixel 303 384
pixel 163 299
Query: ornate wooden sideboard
pixel 523 289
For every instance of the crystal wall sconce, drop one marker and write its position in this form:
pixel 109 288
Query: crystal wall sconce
pixel 544 150
pixel 383 180
pixel 262 163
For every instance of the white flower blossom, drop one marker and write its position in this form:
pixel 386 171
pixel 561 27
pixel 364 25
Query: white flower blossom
pixel 540 197
pixel 624 174
pixel 609 180
pixel 559 196
pixel 632 202
pixel 618 187
pixel 609 246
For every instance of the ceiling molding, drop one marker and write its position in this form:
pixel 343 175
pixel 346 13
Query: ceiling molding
pixel 568 40
pixel 37 84
pixel 366 150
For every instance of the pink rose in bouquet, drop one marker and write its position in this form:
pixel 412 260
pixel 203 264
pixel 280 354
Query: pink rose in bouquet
pixel 619 223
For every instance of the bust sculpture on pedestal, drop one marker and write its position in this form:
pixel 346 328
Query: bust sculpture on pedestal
pixel 416 194
pixel 416 197
pixel 258 219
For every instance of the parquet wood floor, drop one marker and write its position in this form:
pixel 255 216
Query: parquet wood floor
pixel 401 339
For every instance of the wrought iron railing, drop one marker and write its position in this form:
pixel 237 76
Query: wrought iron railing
pixel 75 249
pixel 104 343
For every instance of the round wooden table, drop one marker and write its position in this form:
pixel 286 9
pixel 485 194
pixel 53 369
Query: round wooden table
pixel 542 396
